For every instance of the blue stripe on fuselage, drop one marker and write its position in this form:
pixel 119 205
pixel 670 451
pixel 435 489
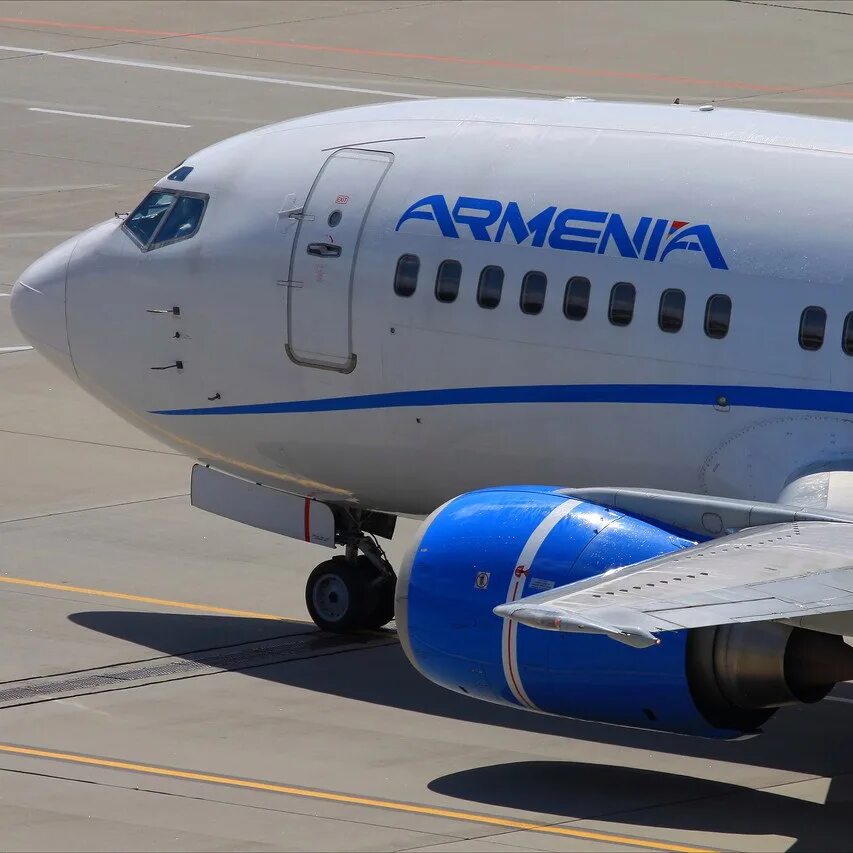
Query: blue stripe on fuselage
pixel 801 399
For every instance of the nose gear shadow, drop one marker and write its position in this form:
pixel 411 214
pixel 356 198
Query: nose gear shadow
pixel 380 674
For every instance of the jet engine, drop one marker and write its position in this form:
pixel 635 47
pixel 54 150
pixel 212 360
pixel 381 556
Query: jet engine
pixel 478 550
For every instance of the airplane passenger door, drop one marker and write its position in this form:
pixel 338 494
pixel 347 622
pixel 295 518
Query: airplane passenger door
pixel 325 249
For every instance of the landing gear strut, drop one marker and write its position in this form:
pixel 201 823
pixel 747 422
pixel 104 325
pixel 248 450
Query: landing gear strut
pixel 352 592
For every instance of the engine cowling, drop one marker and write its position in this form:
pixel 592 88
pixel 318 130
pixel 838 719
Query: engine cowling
pixel 487 547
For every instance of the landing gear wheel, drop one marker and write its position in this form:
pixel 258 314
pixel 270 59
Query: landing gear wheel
pixel 383 588
pixel 339 597
pixel 345 595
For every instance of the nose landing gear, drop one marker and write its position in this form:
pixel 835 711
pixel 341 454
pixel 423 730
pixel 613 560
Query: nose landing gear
pixel 352 592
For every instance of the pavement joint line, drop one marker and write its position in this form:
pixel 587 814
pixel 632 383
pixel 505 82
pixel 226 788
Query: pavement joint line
pixel 348 799
pixel 128 166
pixel 162 451
pixel 292 21
pixel 225 802
pixel 375 11
pixel 27 196
pixel 143 599
pixel 156 658
pixel 185 666
pixel 93 508
pixel 794 8
pixel 606 73
pixel 161 44
pixel 70 49
pixel 208 72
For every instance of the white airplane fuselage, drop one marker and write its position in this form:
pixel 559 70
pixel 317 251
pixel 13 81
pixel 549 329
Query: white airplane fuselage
pixel 308 372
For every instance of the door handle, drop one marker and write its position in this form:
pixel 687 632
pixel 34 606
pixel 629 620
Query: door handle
pixel 324 250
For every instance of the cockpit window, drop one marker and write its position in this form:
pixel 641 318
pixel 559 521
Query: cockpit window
pixel 143 222
pixel 165 217
pixel 183 220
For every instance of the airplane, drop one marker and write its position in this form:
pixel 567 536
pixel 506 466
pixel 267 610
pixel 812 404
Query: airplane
pixel 416 309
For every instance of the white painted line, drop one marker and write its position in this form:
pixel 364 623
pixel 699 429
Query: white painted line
pixel 227 75
pixel 107 118
pixel 517 580
pixel 13 349
pixel 839 699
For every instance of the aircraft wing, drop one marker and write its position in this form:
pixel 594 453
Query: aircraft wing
pixel 779 571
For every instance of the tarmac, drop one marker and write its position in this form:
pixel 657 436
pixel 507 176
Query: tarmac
pixel 160 685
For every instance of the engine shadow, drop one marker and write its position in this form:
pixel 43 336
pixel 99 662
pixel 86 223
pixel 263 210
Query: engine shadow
pixel 812 740
pixel 653 799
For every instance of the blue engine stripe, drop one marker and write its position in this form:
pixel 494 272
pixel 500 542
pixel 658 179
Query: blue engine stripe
pixel 802 399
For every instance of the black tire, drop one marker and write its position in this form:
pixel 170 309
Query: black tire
pixel 338 596
pixel 383 595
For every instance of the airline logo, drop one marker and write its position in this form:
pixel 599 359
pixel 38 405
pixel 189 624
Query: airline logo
pixel 572 229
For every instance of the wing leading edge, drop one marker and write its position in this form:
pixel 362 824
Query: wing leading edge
pixel 781 571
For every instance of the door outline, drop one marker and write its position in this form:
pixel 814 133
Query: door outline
pixel 349 365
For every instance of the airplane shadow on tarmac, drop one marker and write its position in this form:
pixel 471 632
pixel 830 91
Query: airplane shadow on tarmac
pixel 654 799
pixel 812 741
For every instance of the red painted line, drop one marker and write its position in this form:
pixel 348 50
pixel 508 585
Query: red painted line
pixel 438 58
pixel 307 519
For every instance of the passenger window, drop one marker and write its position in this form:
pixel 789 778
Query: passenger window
pixel 622 298
pixel 812 327
pixel 533 292
pixel 406 276
pixel 671 312
pixel 183 220
pixel 489 287
pixel 143 222
pixel 718 314
pixel 576 298
pixel 447 281
pixel 847 340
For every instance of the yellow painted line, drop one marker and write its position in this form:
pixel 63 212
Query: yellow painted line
pixel 143 599
pixel 350 799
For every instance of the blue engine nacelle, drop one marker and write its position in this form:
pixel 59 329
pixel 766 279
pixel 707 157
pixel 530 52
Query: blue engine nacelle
pixel 485 548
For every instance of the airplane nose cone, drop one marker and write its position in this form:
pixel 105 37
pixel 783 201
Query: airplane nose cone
pixel 38 305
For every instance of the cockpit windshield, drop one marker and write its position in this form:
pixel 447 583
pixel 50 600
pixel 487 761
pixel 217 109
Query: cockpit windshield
pixel 183 220
pixel 143 222
pixel 165 217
